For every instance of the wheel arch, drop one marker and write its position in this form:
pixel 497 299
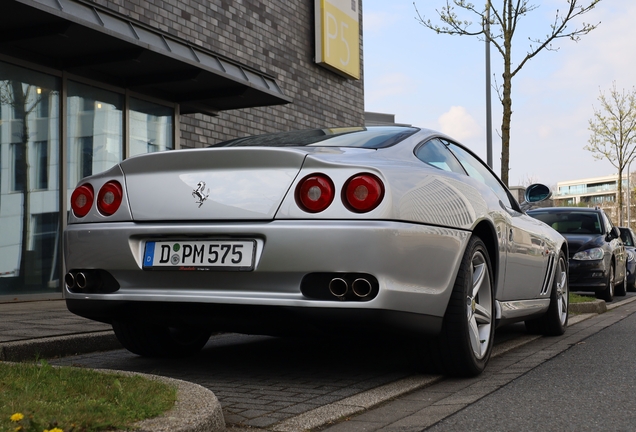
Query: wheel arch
pixel 486 232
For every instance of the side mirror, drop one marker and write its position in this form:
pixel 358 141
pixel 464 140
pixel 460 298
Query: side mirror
pixel 537 192
pixel 614 233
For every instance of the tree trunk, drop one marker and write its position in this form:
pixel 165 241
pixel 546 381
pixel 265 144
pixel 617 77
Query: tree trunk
pixel 506 103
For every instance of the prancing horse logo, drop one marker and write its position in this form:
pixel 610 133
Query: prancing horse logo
pixel 200 194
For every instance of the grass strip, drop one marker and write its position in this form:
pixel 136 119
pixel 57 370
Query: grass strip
pixel 40 397
pixel 576 298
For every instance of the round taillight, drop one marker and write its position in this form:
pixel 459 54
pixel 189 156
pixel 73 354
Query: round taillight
pixel 315 193
pixel 82 200
pixel 363 192
pixel 109 198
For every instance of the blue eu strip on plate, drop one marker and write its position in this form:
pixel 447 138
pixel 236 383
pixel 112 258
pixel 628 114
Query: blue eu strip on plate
pixel 149 256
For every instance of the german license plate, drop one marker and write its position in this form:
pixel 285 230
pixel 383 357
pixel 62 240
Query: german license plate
pixel 237 255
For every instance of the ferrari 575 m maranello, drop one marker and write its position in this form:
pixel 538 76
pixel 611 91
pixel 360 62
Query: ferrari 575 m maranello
pixel 380 231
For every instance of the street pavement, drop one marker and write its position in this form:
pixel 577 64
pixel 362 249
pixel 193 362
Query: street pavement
pixel 284 384
pixel 590 387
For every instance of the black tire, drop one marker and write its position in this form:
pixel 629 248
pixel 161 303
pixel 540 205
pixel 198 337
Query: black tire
pixel 621 289
pixel 151 340
pixel 464 345
pixel 608 293
pixel 555 320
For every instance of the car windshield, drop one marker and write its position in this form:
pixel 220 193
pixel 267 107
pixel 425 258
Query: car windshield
pixel 571 222
pixel 626 237
pixel 361 137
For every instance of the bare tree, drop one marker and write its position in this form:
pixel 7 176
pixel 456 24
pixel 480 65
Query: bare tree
pixel 500 29
pixel 613 133
pixel 23 99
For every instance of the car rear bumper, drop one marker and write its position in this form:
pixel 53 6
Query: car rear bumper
pixel 414 265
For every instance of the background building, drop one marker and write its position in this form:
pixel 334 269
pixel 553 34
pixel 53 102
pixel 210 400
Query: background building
pixel 85 84
pixel 596 191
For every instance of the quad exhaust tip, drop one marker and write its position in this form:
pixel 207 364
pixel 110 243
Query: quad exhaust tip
pixel 69 279
pixel 90 281
pixel 338 287
pixel 82 280
pixel 361 287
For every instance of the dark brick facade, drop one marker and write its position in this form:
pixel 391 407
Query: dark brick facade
pixel 273 36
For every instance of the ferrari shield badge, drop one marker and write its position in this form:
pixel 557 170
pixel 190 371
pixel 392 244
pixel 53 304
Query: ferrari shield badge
pixel 200 194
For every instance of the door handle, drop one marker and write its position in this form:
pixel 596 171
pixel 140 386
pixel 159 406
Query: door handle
pixel 510 236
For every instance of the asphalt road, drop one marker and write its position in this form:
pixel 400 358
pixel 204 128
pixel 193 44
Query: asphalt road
pixel 590 387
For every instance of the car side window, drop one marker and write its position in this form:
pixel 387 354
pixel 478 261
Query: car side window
pixel 607 223
pixel 476 169
pixel 435 153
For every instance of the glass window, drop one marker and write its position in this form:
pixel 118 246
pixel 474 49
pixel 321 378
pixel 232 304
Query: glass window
pixel 150 127
pixel 435 153
pixel 29 145
pixel 95 141
pixel 571 222
pixel 476 169
pixel 626 236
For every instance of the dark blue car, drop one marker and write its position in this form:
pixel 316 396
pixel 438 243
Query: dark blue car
pixel 598 258
pixel 629 240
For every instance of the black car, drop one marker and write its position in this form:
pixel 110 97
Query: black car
pixel 597 255
pixel 629 240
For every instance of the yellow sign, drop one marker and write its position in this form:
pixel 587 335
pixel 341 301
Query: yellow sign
pixel 338 36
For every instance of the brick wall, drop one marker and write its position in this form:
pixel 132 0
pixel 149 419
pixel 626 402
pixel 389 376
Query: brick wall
pixel 273 36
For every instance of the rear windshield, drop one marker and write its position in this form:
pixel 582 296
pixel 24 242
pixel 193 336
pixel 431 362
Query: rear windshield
pixel 372 137
pixel 571 222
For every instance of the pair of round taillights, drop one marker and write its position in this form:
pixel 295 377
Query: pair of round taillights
pixel 108 199
pixel 361 193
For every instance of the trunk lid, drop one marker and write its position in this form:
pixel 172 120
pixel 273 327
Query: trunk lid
pixel 211 183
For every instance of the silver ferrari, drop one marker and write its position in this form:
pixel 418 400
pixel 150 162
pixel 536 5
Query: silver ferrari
pixel 390 230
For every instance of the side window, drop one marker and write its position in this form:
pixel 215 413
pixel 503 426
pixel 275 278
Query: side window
pixel 476 169
pixel 435 153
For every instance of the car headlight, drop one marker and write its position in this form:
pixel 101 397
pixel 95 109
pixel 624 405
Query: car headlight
pixel 590 254
pixel 630 255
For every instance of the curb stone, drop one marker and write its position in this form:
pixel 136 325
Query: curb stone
pixel 196 409
pixel 58 346
pixel 595 306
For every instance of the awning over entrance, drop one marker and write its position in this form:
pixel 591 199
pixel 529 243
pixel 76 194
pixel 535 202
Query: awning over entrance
pixel 95 43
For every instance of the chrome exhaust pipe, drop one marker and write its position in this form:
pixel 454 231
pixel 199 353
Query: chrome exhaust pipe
pixel 82 279
pixel 69 280
pixel 361 287
pixel 338 287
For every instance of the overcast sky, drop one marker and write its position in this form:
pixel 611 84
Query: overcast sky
pixel 438 82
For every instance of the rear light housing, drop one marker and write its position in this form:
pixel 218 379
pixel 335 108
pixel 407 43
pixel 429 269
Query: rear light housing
pixel 82 200
pixel 363 192
pixel 315 193
pixel 109 198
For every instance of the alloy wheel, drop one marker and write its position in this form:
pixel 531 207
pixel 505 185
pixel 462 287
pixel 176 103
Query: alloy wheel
pixel 479 306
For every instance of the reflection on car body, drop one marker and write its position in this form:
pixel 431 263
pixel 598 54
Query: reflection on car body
pixel 597 255
pixel 379 230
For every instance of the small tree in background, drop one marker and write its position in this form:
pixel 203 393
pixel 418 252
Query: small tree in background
pixel 613 133
pixel 500 30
